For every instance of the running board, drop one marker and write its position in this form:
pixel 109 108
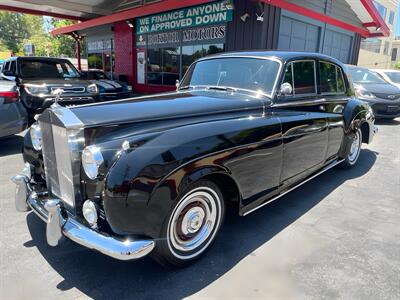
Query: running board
pixel 328 167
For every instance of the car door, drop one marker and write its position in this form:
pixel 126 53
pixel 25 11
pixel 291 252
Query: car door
pixel 304 125
pixel 333 90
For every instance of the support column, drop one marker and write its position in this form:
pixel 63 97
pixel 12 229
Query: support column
pixel 78 53
pixel 78 40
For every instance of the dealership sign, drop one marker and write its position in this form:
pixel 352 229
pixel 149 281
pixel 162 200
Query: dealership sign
pixel 207 14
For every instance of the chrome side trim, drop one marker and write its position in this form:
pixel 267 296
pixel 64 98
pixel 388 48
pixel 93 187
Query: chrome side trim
pixel 328 167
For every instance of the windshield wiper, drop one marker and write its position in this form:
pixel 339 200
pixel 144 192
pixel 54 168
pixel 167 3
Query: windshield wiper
pixel 222 88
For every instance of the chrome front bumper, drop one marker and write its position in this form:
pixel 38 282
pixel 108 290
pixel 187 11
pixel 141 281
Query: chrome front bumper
pixel 59 224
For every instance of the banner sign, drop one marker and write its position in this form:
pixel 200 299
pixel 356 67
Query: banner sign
pixel 199 35
pixel 206 14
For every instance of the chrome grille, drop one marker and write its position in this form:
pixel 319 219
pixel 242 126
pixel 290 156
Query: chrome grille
pixel 57 162
pixel 68 90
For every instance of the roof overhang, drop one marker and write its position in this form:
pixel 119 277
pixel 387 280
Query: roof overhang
pixel 95 13
pixel 144 10
pixel 373 24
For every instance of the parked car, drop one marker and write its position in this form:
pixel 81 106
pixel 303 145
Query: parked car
pixel 383 97
pixel 108 89
pixel 153 175
pixel 38 77
pixel 391 76
pixel 13 116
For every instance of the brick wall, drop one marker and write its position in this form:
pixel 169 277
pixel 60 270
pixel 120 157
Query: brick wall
pixel 123 47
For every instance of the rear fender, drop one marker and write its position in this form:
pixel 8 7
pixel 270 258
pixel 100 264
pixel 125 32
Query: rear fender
pixel 357 114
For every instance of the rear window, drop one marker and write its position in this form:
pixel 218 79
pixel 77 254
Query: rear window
pixel 331 78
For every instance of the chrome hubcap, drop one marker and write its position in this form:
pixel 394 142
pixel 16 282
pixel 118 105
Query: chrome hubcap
pixel 355 147
pixel 193 222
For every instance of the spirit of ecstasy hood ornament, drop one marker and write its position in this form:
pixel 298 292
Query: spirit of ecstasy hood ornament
pixel 57 93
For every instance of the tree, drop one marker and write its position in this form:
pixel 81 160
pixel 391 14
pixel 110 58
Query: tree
pixel 64 44
pixel 13 30
pixel 18 30
pixel 397 65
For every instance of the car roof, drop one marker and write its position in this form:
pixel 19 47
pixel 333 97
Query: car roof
pixel 281 55
pixel 357 67
pixel 386 70
pixel 37 58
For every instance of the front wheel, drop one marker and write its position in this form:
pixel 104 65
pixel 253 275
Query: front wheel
pixel 192 225
pixel 352 157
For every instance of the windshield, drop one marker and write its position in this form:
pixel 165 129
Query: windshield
pixel 94 75
pixel 47 69
pixel 394 76
pixel 252 74
pixel 365 76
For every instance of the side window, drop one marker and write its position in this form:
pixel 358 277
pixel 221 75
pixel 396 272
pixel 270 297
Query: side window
pixel 331 78
pixel 289 76
pixel 12 66
pixel 6 66
pixel 304 77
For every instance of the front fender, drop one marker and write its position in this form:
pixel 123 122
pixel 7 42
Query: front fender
pixel 143 184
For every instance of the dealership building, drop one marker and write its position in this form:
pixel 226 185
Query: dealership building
pixel 151 44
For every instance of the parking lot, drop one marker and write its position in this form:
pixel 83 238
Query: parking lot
pixel 337 236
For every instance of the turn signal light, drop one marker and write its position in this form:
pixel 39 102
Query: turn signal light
pixel 9 97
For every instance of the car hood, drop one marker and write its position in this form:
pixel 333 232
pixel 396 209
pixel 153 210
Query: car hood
pixel 107 84
pixel 380 88
pixel 165 106
pixel 58 81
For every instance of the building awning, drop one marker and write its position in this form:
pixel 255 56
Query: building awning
pixel 373 24
pixel 100 12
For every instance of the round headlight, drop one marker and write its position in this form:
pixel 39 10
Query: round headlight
pixel 92 89
pixel 89 212
pixel 92 160
pixel 36 136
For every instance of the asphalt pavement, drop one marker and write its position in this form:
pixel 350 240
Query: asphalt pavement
pixel 338 236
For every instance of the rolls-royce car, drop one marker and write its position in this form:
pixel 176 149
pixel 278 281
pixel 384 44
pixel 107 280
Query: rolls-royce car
pixel 108 89
pixel 382 96
pixel 38 77
pixel 155 174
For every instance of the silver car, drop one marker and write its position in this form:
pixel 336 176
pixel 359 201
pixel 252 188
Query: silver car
pixel 13 116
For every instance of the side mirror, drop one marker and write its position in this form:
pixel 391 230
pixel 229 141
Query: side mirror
pixel 177 83
pixel 286 89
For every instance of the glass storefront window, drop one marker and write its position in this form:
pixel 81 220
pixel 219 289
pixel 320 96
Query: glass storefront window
pixel 170 65
pixel 154 75
pixel 164 64
pixel 95 61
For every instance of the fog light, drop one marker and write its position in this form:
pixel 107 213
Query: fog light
pixel 89 212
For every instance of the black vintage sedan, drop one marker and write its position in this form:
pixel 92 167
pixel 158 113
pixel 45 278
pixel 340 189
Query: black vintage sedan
pixel 154 175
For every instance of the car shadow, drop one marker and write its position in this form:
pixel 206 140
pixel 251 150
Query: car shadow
pixel 98 276
pixel 390 122
pixel 11 145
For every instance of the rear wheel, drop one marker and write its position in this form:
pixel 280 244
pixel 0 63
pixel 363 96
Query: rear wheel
pixel 352 157
pixel 192 225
